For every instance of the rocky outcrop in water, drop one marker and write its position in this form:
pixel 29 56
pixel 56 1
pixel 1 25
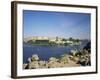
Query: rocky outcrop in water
pixel 75 58
pixel 88 47
pixel 84 58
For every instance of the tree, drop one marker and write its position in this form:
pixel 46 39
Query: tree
pixel 77 40
pixel 71 39
pixel 64 39
pixel 30 41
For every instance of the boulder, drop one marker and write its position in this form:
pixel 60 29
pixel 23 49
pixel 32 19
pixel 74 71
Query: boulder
pixel 85 60
pixel 29 60
pixel 33 65
pixel 42 64
pixel 24 66
pixel 64 58
pixel 53 59
pixel 52 64
pixel 88 46
pixel 74 52
pixel 34 57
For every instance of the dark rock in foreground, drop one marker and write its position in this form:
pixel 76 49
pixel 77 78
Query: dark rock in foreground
pixel 88 46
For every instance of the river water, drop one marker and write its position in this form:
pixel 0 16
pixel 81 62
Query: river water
pixel 45 52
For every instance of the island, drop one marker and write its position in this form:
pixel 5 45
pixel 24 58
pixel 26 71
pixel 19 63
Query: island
pixel 51 41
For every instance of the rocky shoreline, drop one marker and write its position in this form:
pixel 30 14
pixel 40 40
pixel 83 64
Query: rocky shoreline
pixel 75 58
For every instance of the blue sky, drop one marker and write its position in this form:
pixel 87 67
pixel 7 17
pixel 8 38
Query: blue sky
pixel 52 24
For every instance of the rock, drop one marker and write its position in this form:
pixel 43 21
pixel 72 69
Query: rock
pixel 84 60
pixel 73 52
pixel 64 58
pixel 33 65
pixel 34 57
pixel 29 60
pixel 86 52
pixel 53 64
pixel 73 58
pixel 53 59
pixel 88 46
pixel 42 64
pixel 24 66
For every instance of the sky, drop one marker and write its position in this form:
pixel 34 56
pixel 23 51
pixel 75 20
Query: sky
pixel 53 24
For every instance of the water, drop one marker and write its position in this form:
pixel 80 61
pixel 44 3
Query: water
pixel 45 52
